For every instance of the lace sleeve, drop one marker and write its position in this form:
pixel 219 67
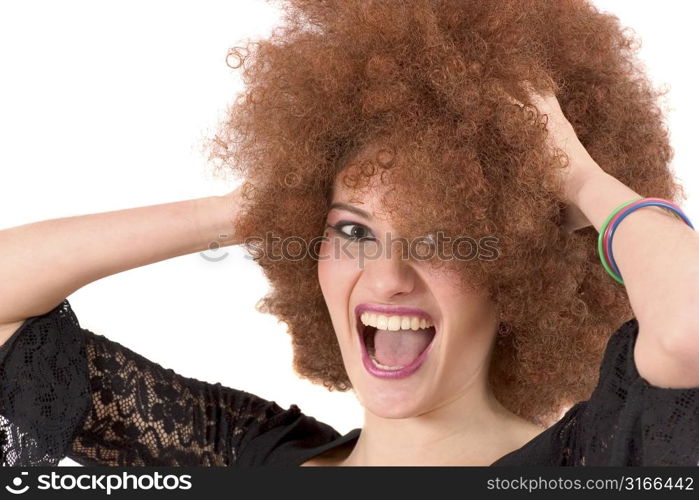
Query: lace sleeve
pixel 626 421
pixel 65 391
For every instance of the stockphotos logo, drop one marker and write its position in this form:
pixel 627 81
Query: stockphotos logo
pixel 16 488
pixel 107 483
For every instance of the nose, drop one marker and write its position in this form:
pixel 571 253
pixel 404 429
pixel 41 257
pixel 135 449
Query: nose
pixel 388 275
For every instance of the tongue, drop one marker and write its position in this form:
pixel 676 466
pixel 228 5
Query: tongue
pixel 400 348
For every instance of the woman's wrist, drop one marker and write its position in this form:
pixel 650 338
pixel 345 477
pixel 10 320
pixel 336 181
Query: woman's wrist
pixel 585 174
pixel 216 219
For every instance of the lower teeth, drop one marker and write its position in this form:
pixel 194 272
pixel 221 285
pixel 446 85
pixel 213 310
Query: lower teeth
pixel 384 367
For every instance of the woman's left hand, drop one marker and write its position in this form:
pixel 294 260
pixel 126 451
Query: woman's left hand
pixel 581 165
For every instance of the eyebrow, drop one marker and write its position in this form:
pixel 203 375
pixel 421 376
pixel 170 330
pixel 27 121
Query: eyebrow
pixel 350 208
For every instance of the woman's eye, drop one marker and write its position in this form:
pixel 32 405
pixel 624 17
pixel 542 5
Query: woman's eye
pixel 352 231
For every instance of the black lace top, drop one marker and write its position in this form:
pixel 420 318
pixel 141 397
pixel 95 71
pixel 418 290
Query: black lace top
pixel 65 391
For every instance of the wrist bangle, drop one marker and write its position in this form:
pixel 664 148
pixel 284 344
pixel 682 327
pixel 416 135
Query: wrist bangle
pixel 604 240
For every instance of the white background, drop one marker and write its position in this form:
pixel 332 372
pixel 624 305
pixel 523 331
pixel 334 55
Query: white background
pixel 105 105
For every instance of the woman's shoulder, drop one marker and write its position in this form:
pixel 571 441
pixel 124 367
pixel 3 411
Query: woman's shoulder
pixel 551 446
pixel 524 433
pixel 626 421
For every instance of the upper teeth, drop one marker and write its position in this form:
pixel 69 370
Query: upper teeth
pixel 394 323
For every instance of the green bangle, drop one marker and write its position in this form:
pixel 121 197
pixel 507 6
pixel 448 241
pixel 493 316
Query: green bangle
pixel 600 239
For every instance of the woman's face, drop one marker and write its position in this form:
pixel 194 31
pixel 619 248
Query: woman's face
pixel 450 363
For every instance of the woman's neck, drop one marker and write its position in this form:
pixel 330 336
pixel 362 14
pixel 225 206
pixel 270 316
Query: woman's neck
pixel 473 429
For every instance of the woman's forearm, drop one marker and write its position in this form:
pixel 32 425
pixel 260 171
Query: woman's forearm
pixel 43 262
pixel 658 257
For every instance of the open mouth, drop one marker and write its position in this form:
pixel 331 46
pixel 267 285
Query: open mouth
pixel 394 354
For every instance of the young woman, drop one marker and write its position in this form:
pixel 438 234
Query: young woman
pixel 445 168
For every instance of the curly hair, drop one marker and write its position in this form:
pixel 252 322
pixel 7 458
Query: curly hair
pixel 428 81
